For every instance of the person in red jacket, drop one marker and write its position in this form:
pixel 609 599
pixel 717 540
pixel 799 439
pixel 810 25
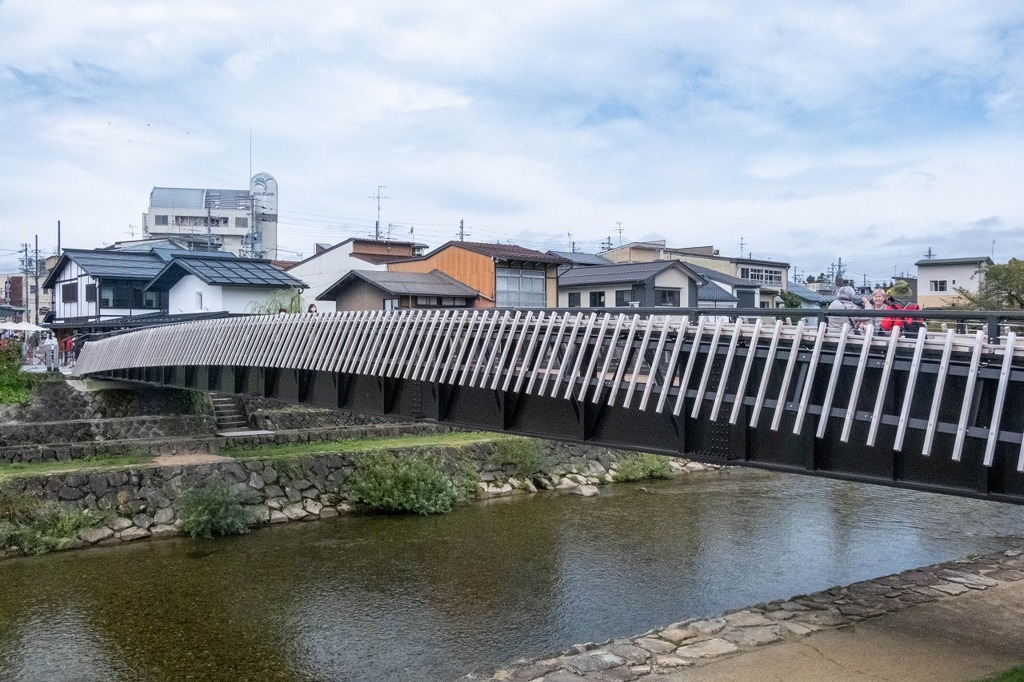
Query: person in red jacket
pixel 886 324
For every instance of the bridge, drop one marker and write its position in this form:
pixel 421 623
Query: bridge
pixel 939 411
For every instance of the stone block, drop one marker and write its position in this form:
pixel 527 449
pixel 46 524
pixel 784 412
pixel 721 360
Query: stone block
pixel 707 649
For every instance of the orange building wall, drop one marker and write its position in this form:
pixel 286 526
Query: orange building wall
pixel 472 269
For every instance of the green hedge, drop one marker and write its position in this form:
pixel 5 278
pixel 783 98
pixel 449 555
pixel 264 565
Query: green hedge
pixel 33 525
pixel 413 483
pixel 213 510
pixel 643 466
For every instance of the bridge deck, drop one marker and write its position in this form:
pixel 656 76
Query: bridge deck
pixel 748 391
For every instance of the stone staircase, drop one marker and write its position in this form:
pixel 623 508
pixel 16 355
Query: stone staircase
pixel 227 413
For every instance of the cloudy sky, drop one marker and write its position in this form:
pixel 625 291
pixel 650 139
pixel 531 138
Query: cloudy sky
pixel 865 130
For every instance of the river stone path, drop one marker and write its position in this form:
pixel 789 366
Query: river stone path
pixel 697 642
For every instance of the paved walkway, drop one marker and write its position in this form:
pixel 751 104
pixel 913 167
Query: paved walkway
pixel 967 638
pixel 956 621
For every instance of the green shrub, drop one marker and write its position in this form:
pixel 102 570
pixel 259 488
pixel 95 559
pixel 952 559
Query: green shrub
pixel 36 526
pixel 1011 675
pixel 413 483
pixel 526 454
pixel 643 466
pixel 214 510
pixel 15 385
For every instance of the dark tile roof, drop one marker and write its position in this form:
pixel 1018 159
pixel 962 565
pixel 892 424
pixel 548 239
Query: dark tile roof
pixel 975 260
pixel 103 264
pixel 804 293
pixel 581 258
pixel 618 273
pixel 509 252
pixel 234 271
pixel 433 283
pixel 713 292
pixel 721 277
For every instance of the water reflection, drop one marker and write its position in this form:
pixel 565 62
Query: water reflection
pixel 377 598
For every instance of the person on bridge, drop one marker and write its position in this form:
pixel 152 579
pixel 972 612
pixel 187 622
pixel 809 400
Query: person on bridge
pixel 845 300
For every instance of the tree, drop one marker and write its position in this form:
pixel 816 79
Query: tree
pixel 1001 289
pixel 790 299
pixel 810 279
pixel 900 289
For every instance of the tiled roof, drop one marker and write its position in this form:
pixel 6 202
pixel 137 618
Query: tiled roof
pixel 238 272
pixel 504 252
pixel 713 292
pixel 804 293
pixel 433 283
pixel 581 258
pixel 103 264
pixel 618 273
pixel 975 260
pixel 721 277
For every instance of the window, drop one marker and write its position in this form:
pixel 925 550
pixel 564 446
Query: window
pixel 574 299
pixel 199 301
pixel 159 220
pixel 937 285
pixel 424 301
pixel 762 275
pixel 151 300
pixel 116 296
pixel 596 299
pixel 520 288
pixel 623 297
pixel 390 304
pixel 666 297
pixel 242 222
pixel 90 293
pixel 69 293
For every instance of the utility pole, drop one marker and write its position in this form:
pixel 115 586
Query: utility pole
pixel 572 244
pixel 26 269
pixel 36 269
pixel 619 230
pixel 462 230
pixel 378 197
pixel 930 255
pixel 742 244
pixel 607 243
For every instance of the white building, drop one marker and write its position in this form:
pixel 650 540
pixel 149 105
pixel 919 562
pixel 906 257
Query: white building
pixel 93 286
pixel 939 278
pixel 237 221
pixel 209 282
pixel 770 276
pixel 328 265
pixel 646 285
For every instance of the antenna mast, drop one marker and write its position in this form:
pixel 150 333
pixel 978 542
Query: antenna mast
pixel 378 197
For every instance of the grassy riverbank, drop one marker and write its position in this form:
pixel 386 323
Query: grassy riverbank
pixel 13 470
pixel 361 445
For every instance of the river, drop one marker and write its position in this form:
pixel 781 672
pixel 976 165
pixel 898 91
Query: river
pixel 432 598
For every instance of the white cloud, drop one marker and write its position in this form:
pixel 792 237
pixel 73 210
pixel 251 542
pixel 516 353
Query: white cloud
pixel 801 128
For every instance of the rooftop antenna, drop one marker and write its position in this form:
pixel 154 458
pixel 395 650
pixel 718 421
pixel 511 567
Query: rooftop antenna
pixel 742 244
pixel 378 197
pixel 930 255
pixel 619 230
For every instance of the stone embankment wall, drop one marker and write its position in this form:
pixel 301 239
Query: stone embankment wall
pixel 62 423
pixel 144 502
pixel 274 415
